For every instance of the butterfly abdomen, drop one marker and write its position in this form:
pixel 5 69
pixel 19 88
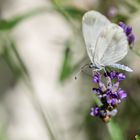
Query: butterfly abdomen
pixel 122 67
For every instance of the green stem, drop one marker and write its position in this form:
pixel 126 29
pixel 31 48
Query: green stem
pixel 66 16
pixel 43 115
pixel 19 67
pixel 114 129
pixel 135 52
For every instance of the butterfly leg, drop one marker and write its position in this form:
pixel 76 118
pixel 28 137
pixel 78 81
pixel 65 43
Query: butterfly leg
pixel 96 70
pixel 104 70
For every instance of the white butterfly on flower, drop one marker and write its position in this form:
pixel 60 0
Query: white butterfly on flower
pixel 106 42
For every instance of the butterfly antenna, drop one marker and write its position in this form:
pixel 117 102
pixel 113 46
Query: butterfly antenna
pixel 81 69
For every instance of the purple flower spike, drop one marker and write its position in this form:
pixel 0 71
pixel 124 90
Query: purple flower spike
pixel 121 94
pixel 131 38
pixel 109 94
pixel 120 76
pixel 128 31
pixel 94 111
pixel 96 78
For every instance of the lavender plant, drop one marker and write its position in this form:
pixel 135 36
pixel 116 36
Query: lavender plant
pixel 109 92
pixel 128 31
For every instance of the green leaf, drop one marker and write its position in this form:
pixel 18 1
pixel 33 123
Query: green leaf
pixel 74 12
pixel 17 55
pixel 11 23
pixel 115 131
pixel 66 67
pixel 13 59
pixel 137 137
pixel 119 18
pixel 138 1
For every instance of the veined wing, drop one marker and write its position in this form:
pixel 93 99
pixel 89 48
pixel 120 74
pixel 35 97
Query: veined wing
pixel 122 67
pixel 112 45
pixel 93 23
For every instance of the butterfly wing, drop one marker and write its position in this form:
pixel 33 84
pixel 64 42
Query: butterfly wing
pixel 93 23
pixel 112 45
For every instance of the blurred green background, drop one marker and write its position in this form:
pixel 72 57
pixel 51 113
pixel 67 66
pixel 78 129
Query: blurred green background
pixel 41 50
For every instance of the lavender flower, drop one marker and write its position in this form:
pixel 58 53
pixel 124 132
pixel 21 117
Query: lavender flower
pixel 112 12
pixel 94 111
pixel 109 94
pixel 120 76
pixel 121 94
pixel 96 78
pixel 128 31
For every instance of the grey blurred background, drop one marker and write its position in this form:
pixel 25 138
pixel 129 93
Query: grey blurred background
pixel 39 56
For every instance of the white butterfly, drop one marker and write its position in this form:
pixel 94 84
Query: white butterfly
pixel 106 42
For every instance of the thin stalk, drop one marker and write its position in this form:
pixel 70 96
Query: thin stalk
pixel 114 129
pixel 22 65
pixel 66 16
pixel 10 47
pixel 135 52
pixel 40 111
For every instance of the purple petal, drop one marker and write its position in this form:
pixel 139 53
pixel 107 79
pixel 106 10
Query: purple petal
pixel 114 101
pixel 96 78
pixel 114 95
pixel 128 30
pixel 112 74
pixel 122 25
pixel 121 94
pixel 131 38
pixel 120 76
pixel 108 92
pixel 94 111
pixel 109 101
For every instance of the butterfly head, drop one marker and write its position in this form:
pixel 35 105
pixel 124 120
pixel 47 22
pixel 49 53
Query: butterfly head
pixel 96 67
